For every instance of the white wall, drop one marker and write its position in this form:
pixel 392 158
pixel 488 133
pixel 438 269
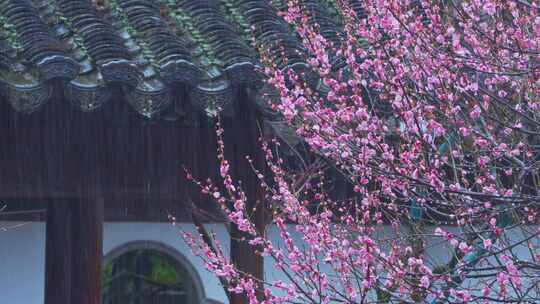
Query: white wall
pixel 22 256
pixel 22 250
pixel 22 263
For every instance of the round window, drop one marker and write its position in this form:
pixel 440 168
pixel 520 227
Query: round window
pixel 146 276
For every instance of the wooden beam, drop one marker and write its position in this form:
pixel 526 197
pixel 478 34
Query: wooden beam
pixel 87 250
pixel 58 253
pixel 238 148
pixel 245 259
pixel 73 253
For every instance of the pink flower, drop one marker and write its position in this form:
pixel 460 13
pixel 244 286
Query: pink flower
pixel 425 282
pixel 464 247
pixel 463 295
pixel 475 113
pixel 380 122
pixel 296 268
pixel 490 8
pixel 465 131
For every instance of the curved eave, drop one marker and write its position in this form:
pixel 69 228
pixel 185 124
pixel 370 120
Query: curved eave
pixel 87 97
pixel 149 98
pixel 26 98
pixel 152 50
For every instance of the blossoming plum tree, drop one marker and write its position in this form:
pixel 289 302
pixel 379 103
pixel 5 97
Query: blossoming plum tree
pixel 430 110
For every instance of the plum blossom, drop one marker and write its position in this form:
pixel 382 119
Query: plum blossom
pixel 428 114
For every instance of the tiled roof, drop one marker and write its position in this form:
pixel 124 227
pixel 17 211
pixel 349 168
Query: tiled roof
pixel 148 48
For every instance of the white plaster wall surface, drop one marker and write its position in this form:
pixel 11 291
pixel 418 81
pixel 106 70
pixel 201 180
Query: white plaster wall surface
pixel 22 255
pixel 22 263
pixel 438 252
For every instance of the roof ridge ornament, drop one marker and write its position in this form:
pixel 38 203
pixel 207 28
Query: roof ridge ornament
pixel 58 67
pixel 149 98
pixel 28 99
pixel 212 95
pixel 121 71
pixel 180 71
